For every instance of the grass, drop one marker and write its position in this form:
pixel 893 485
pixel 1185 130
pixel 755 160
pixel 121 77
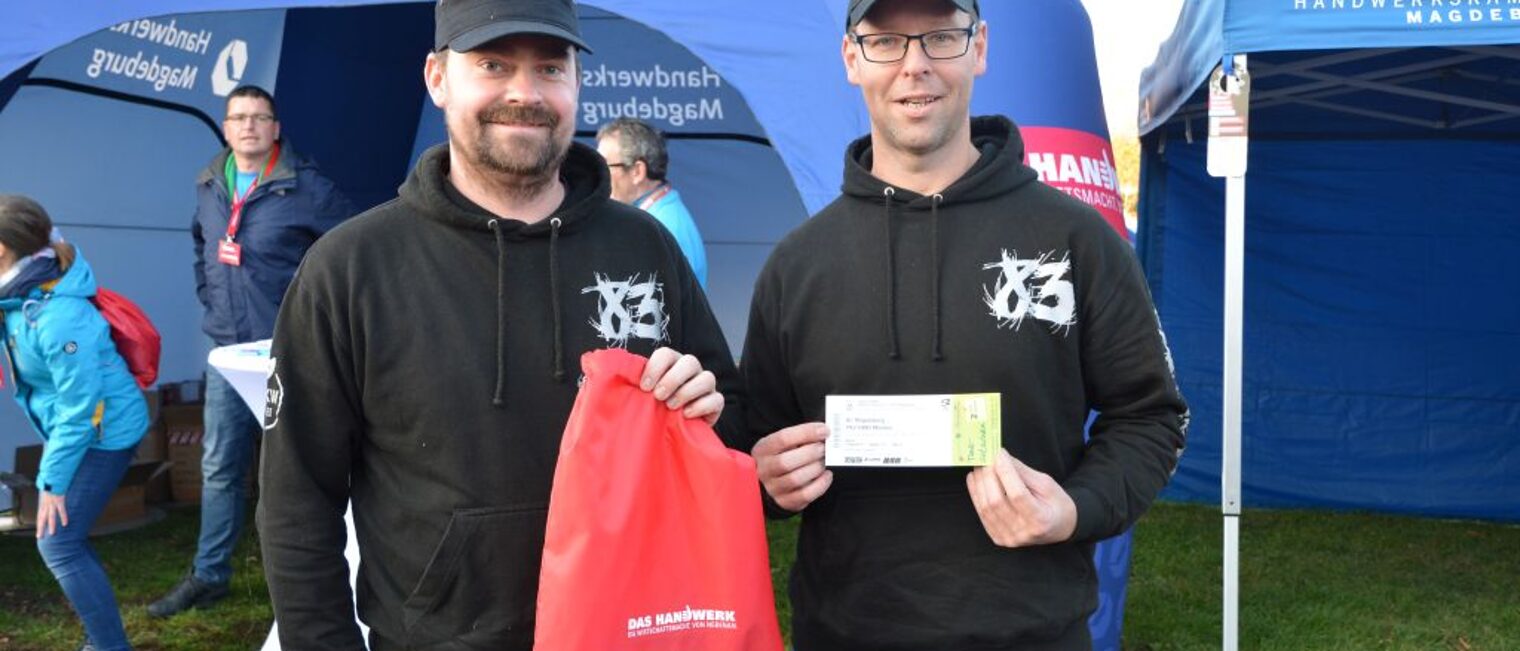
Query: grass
pixel 143 564
pixel 1309 580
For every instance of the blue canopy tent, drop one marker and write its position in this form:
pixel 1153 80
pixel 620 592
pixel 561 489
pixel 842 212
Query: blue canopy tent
pixel 1365 326
pixel 108 110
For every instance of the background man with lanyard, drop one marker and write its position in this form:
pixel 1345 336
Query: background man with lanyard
pixel 259 206
pixel 637 159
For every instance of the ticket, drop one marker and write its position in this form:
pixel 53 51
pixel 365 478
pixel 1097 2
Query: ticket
pixel 913 430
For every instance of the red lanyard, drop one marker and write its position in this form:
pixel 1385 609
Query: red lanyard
pixel 654 197
pixel 237 202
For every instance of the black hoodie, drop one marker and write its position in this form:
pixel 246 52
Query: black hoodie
pixel 426 360
pixel 997 284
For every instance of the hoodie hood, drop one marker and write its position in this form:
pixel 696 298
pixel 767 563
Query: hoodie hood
pixel 584 173
pixel 78 281
pixel 1000 169
pixel 587 190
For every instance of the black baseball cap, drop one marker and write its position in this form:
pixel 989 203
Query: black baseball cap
pixel 859 9
pixel 463 25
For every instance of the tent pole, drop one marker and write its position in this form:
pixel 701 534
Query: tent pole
pixel 1234 293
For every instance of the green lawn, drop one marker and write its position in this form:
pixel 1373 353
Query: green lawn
pixel 1310 580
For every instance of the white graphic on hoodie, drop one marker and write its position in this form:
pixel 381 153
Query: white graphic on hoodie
pixel 1038 287
pixel 629 309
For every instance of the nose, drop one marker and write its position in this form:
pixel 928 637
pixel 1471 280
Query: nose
pixel 916 62
pixel 522 87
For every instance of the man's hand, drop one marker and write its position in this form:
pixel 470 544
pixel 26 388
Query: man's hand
pixel 790 464
pixel 1020 506
pixel 679 381
pixel 52 513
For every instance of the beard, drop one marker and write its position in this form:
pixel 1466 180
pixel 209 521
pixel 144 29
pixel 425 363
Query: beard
pixel 922 141
pixel 527 163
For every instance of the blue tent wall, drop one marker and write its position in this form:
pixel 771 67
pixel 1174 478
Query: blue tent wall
pixel 1382 336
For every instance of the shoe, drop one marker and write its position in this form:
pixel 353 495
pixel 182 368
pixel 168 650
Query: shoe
pixel 189 593
pixel 87 646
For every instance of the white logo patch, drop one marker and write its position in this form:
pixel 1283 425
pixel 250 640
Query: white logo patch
pixel 230 64
pixel 274 399
pixel 629 309
pixel 1038 287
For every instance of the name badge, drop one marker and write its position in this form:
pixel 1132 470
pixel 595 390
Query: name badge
pixel 913 431
pixel 230 253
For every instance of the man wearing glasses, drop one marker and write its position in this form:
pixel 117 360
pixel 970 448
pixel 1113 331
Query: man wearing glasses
pixel 947 268
pixel 637 160
pixel 259 206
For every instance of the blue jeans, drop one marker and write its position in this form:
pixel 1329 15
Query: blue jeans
pixel 230 431
pixel 72 560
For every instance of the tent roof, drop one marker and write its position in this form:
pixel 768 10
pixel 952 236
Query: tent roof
pixel 1348 48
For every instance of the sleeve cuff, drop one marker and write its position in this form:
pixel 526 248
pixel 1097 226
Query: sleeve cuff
pixel 773 511
pixel 1092 518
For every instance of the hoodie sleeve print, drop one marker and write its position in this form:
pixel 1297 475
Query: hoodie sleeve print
pixel 74 361
pixel 309 438
pixel 1141 427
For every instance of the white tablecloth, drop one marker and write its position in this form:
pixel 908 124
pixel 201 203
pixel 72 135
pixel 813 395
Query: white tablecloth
pixel 246 367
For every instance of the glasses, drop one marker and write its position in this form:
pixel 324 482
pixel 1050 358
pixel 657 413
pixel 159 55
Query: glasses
pixel 256 118
pixel 887 47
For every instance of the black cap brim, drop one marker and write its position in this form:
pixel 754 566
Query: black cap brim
pixel 479 36
pixel 860 9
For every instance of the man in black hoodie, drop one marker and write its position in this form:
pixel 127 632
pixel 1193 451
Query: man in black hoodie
pixel 426 358
pixel 946 267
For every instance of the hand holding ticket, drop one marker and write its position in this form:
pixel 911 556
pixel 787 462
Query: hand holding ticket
pixel 913 430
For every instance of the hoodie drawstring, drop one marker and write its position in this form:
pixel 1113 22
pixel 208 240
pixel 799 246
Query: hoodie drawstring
pixel 559 345
pixel 886 221
pixel 934 203
pixel 499 398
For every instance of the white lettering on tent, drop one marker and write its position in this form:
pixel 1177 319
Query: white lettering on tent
pixel 673 112
pixel 676 114
pixel 160 76
pixel 166 34
pixel 1421 13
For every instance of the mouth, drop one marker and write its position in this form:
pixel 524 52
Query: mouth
pixel 919 102
pixel 520 125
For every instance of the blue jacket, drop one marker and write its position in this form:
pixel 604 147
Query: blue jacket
pixel 672 212
pixel 283 216
pixel 69 380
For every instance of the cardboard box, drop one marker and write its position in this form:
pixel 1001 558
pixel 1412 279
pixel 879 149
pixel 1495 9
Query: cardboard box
pixel 154 445
pixel 127 504
pixel 184 431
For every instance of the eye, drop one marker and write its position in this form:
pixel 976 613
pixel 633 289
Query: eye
pixel 884 41
pixel 490 66
pixel 553 70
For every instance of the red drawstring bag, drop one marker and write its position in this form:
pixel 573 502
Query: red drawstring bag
pixel 136 339
pixel 655 537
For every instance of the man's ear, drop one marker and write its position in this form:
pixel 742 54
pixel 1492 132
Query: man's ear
pixel 980 47
pixel 639 170
pixel 434 78
pixel 851 57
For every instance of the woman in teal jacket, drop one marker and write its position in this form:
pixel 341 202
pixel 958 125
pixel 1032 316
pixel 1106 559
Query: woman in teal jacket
pixel 76 390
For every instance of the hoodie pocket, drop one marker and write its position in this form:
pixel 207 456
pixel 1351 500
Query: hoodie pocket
pixel 906 571
pixel 480 588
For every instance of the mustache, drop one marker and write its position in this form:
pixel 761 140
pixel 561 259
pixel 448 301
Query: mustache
pixel 519 115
